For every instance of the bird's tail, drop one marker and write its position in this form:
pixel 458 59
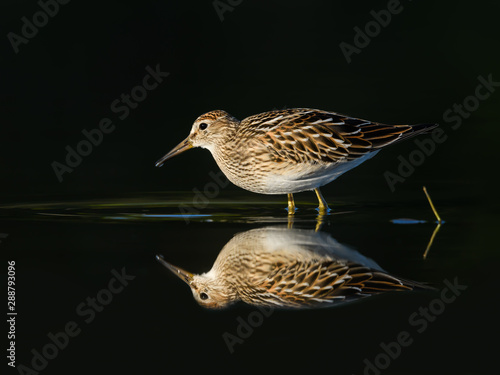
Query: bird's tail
pixel 417 129
pixel 384 135
pixel 423 128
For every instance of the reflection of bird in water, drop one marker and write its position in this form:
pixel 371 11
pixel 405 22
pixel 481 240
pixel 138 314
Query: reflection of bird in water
pixel 275 266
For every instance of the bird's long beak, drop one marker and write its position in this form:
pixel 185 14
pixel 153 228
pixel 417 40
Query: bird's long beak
pixel 181 147
pixel 184 275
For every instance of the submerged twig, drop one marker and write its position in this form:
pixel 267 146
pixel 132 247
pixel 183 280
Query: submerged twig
pixel 431 240
pixel 438 226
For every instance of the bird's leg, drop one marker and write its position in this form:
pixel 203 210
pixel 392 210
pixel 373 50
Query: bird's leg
pixel 320 220
pixel 291 205
pixel 323 206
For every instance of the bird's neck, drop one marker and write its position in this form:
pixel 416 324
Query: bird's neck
pixel 225 143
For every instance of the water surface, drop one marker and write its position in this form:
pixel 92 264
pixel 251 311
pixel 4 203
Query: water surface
pixel 69 251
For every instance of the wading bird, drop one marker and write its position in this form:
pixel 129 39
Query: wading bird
pixel 291 150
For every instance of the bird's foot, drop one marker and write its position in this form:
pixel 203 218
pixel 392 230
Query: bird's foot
pixel 325 210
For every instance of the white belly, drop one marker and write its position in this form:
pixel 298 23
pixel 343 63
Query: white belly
pixel 301 178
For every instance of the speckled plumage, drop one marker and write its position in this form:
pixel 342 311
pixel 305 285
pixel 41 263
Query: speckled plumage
pixel 281 267
pixel 291 150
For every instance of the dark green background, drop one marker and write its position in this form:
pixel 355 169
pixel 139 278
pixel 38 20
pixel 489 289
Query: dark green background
pixel 264 55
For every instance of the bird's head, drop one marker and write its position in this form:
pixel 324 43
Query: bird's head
pixel 208 131
pixel 208 290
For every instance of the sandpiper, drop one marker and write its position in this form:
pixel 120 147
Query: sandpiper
pixel 291 150
pixel 290 268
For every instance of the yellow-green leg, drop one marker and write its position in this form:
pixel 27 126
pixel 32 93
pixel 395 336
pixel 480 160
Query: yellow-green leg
pixel 323 206
pixel 291 205
pixel 320 220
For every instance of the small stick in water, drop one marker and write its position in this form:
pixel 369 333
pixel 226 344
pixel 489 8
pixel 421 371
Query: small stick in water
pixel 432 206
pixel 439 222
pixel 431 240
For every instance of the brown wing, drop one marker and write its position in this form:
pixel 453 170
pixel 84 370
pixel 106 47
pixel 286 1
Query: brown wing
pixel 305 284
pixel 309 135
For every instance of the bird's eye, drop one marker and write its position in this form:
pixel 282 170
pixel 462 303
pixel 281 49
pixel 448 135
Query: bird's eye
pixel 203 296
pixel 203 126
